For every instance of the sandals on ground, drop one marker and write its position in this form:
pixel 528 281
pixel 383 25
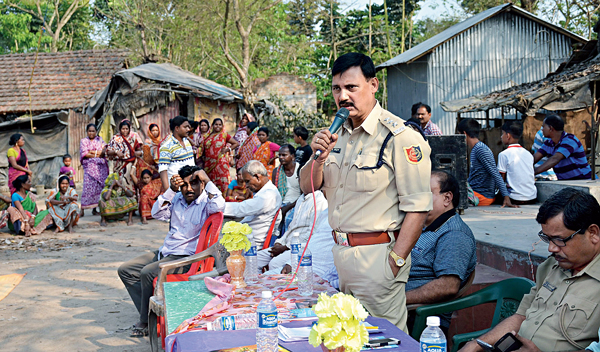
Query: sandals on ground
pixel 139 332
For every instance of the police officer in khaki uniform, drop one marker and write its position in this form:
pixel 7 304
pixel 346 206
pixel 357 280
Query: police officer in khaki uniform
pixel 375 174
pixel 562 311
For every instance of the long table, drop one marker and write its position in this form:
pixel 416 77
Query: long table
pixel 183 300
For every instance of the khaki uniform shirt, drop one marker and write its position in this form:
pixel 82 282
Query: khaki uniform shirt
pixel 543 307
pixel 371 200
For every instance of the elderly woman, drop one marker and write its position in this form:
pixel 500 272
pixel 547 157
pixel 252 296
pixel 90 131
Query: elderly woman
pixel 123 148
pixel 92 152
pixel 62 205
pixel 116 200
pixel 24 215
pixel 265 153
pixel 18 164
pixel 216 162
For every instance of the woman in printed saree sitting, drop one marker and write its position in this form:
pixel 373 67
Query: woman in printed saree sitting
pixel 216 155
pixel 148 195
pixel 116 200
pixel 24 215
pixel 123 148
pixel 62 205
pixel 4 205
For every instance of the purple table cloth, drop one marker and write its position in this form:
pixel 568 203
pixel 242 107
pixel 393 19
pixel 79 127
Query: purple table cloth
pixel 204 341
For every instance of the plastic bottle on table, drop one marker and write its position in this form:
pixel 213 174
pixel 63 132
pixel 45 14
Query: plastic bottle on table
pixel 432 338
pixel 266 332
pixel 233 322
pixel 251 271
pixel 295 250
pixel 305 274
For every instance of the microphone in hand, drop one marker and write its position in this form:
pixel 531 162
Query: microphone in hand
pixel 340 117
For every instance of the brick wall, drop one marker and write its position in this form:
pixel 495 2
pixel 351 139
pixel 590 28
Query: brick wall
pixel 295 91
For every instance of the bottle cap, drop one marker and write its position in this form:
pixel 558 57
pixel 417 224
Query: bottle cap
pixel 432 321
pixel 269 294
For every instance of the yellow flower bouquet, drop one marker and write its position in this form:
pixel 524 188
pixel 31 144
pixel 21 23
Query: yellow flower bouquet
pixel 339 323
pixel 235 236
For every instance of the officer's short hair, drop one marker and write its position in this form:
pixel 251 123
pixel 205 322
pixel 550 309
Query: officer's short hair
pixel 346 61
pixel 448 183
pixel 579 209
pixel 469 126
pixel 555 122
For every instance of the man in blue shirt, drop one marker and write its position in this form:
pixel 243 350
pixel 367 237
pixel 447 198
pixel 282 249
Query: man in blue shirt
pixel 484 177
pixel 444 255
pixel 566 154
pixel 188 209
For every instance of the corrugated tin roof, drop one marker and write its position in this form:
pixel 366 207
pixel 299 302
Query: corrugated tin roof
pixel 437 40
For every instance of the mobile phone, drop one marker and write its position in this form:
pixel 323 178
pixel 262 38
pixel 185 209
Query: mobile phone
pixel 486 346
pixel 382 342
pixel 508 343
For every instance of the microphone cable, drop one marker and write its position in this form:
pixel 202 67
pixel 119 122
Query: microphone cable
pixel 312 188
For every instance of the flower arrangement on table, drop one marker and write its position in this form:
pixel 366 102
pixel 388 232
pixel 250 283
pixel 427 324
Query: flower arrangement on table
pixel 339 323
pixel 235 240
pixel 235 236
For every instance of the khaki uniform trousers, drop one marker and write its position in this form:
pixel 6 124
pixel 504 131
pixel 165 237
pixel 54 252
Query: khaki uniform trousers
pixel 365 273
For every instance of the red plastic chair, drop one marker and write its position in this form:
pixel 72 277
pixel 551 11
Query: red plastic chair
pixel 267 243
pixel 209 235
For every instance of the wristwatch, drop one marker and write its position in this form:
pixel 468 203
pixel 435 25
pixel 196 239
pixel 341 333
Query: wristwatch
pixel 398 259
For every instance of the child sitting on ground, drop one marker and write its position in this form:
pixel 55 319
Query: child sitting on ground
pixel 515 165
pixel 237 191
pixel 67 169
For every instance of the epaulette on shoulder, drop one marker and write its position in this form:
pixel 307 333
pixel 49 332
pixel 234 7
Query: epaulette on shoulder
pixel 393 123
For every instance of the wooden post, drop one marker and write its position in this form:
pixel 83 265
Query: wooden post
pixel 457 122
pixel 487 119
pixel 502 110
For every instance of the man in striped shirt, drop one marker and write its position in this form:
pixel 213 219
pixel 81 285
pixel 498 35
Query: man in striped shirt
pixel 566 154
pixel 175 151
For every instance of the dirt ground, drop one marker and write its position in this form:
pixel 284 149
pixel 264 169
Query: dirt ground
pixel 72 298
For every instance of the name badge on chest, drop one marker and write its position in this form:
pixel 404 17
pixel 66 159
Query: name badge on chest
pixel 336 150
pixel 549 286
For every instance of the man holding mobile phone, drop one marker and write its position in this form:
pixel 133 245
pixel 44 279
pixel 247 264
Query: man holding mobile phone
pixel 561 313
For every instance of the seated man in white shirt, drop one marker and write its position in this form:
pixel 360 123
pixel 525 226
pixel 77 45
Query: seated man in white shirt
pixel 320 246
pixel 515 165
pixel 259 211
pixel 304 212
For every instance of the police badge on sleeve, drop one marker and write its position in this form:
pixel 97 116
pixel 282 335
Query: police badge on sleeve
pixel 413 154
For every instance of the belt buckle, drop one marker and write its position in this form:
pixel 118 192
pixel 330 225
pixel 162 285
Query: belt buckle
pixel 341 238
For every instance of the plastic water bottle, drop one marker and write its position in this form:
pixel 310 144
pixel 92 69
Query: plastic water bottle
pixel 266 332
pixel 251 271
pixel 233 322
pixel 432 338
pixel 305 274
pixel 295 250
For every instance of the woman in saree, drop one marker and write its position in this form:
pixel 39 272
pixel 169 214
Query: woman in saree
pixel 4 205
pixel 148 195
pixel 18 164
pixel 123 148
pixel 242 132
pixel 92 151
pixel 62 205
pixel 198 141
pixel 246 150
pixel 24 215
pixel 265 153
pixel 151 146
pixel 116 200
pixel 216 152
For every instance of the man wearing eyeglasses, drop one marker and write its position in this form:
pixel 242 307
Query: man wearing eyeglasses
pixel 562 312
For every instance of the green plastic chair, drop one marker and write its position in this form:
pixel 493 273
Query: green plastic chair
pixel 507 294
